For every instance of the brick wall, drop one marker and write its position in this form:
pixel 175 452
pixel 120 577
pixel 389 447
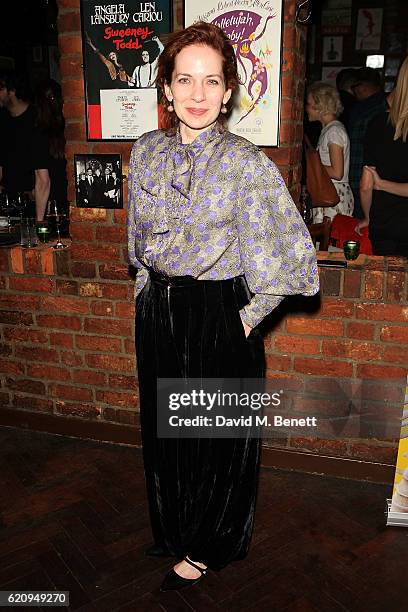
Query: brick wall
pixel 66 318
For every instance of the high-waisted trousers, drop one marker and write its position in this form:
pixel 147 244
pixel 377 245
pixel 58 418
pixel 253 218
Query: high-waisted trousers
pixel 201 492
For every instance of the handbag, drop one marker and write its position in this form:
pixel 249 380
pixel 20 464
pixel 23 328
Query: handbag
pixel 318 182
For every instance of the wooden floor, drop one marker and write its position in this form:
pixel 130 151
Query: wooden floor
pixel 73 518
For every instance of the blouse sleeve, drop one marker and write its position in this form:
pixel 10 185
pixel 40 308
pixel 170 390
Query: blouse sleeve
pixel 276 250
pixel 336 135
pixel 133 185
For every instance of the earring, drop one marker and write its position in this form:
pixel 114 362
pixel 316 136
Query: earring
pixel 170 107
pixel 223 109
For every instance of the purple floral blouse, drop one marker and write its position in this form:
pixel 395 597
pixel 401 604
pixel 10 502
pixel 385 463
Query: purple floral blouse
pixel 214 209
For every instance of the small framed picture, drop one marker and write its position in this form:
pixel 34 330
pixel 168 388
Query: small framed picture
pixel 98 181
pixel 332 49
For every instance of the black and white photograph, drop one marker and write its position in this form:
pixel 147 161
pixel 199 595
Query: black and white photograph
pixel 98 181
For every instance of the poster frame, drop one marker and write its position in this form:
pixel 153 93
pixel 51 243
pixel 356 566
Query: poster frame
pixel 169 8
pixel 278 97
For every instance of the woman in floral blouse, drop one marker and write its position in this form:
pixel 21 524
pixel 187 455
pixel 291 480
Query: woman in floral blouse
pixel 209 218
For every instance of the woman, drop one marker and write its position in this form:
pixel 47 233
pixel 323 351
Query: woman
pixel 323 105
pixel 207 209
pixel 384 181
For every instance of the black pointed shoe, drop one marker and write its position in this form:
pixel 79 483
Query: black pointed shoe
pixel 173 582
pixel 158 551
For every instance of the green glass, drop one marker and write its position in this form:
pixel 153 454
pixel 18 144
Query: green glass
pixel 43 232
pixel 351 249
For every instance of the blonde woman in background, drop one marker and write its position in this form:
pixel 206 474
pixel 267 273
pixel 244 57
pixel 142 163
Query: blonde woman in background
pixel 323 105
pixel 384 181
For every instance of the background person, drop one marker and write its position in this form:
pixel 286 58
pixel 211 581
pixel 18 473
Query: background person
pixel 144 75
pixel 24 153
pixel 323 105
pixel 208 212
pixel 384 181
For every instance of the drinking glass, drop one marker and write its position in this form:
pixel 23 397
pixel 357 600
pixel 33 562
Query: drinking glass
pixel 56 213
pixel 351 249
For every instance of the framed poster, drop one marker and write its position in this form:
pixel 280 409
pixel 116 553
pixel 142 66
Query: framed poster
pixel 255 30
pixel 369 25
pixel 121 44
pixel 98 181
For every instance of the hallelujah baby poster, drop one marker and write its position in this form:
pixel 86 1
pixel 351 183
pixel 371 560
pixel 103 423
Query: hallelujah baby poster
pixel 254 28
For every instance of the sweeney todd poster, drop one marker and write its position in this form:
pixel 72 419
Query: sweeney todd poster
pixel 121 45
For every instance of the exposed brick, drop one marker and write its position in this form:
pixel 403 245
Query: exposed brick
pixel 84 411
pixel 83 269
pixel 88 214
pixel 323 367
pixel 28 402
pixel 4 260
pixel 348 349
pixel 121 381
pixel 89 377
pixel 32 261
pixel 292 344
pixel 90 290
pixel 120 215
pixel 128 417
pixel 114 272
pixel 117 398
pixel 115 233
pixel 61 340
pixel 361 331
pixel 394 333
pixel 70 67
pixel 22 334
pixel 69 22
pixel 69 44
pixel 47 372
pixel 71 358
pixel 26 386
pixel 5 350
pixel 17 318
pixel 352 283
pixel 382 392
pixel 95 253
pixel 110 414
pixel 38 354
pixel 333 308
pixel 110 362
pixel 75 130
pixel 396 354
pixel 114 291
pixel 17 265
pixel 382 312
pixel 381 371
pixel 314 327
pixel 373 453
pixel 82 232
pixel 63 261
pixel 74 110
pixel 32 284
pixel 47 261
pixel 101 326
pixel 11 367
pixel 64 304
pixel 58 322
pixel 125 310
pixel 98 343
pixel 281 363
pixel 129 346
pixel 20 302
pixel 373 285
pixel 102 309
pixel 396 286
pixel 330 281
pixel 66 287
pixel 70 392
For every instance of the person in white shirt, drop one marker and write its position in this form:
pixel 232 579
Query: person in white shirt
pixel 323 105
pixel 144 75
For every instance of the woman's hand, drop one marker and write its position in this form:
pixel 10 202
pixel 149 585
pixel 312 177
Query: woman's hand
pixel 376 178
pixel 360 225
pixel 247 329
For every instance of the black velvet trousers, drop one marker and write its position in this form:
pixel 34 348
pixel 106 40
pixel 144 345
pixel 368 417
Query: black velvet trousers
pixel 201 492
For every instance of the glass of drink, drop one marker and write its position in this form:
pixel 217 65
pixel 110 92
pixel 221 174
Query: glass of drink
pixel 351 249
pixel 56 214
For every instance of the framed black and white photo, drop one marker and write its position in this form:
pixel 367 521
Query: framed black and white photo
pixel 98 181
pixel 255 31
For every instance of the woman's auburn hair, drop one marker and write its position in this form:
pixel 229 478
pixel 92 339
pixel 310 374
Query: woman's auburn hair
pixel 399 105
pixel 200 33
pixel 326 98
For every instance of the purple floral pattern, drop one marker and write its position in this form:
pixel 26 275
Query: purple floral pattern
pixel 214 209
